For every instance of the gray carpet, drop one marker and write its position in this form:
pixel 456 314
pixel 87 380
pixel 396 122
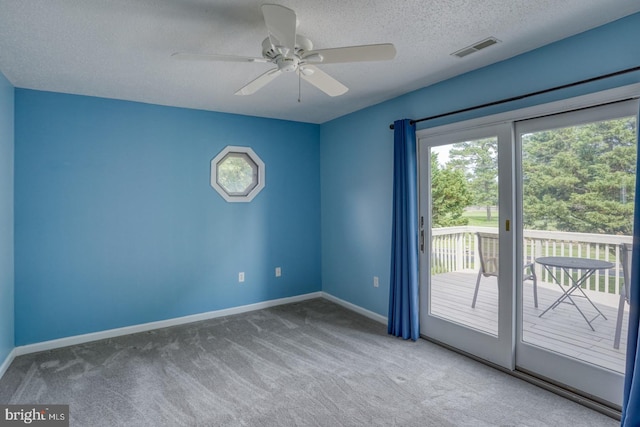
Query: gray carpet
pixel 306 364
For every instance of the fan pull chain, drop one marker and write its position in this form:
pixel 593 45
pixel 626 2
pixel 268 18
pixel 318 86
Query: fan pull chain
pixel 299 84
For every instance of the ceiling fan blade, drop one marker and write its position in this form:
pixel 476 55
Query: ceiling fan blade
pixel 281 24
pixel 259 82
pixel 370 52
pixel 322 81
pixel 214 57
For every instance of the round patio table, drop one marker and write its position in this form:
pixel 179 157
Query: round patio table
pixel 586 267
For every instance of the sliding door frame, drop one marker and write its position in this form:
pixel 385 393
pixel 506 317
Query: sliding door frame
pixel 498 349
pixel 430 326
pixel 597 382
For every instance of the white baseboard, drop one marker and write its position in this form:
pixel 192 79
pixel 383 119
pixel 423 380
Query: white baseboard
pixel 363 311
pixel 144 327
pixel 7 362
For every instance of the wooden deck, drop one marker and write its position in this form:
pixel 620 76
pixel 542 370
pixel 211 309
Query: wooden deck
pixel 562 329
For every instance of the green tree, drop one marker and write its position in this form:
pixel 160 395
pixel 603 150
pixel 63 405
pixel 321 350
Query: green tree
pixel 449 195
pixel 479 160
pixel 581 178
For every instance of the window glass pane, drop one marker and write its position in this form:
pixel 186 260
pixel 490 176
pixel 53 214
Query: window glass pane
pixel 464 220
pixel 237 174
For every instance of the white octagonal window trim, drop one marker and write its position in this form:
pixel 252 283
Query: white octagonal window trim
pixel 237 174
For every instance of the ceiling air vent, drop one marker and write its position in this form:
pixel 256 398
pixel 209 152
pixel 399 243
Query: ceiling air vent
pixel 476 47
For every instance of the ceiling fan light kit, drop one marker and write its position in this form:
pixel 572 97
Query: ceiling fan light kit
pixel 292 52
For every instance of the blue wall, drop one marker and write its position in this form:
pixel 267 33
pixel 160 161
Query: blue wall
pixel 6 218
pixel 356 150
pixel 116 223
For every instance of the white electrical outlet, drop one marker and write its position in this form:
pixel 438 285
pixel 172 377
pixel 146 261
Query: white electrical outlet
pixel 241 277
pixel 376 281
pixel 278 272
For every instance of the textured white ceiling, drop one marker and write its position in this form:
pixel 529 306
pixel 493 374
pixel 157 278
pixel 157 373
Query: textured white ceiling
pixel 121 48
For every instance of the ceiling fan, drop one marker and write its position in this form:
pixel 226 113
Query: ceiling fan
pixel 292 52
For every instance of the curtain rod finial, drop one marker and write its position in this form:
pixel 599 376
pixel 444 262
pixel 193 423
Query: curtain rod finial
pixel 391 126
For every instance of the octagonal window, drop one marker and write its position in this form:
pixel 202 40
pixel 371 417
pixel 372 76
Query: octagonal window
pixel 237 173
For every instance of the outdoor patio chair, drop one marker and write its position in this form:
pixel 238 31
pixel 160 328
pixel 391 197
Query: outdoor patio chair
pixel 625 260
pixel 488 253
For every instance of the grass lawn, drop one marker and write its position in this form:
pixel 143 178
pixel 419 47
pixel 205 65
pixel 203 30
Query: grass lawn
pixel 478 217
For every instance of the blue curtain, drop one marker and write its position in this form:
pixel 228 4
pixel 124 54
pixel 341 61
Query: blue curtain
pixel 403 295
pixel 631 402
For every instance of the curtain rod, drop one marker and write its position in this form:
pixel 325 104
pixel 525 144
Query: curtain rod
pixel 527 95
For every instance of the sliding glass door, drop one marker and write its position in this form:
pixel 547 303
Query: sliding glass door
pixel 575 204
pixel 525 232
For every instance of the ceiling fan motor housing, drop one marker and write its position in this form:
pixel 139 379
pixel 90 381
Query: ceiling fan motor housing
pixel 286 61
pixel 287 64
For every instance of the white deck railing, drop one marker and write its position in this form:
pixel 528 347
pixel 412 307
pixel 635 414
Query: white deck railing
pixel 455 249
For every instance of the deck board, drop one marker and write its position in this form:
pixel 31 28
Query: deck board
pixel 561 330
